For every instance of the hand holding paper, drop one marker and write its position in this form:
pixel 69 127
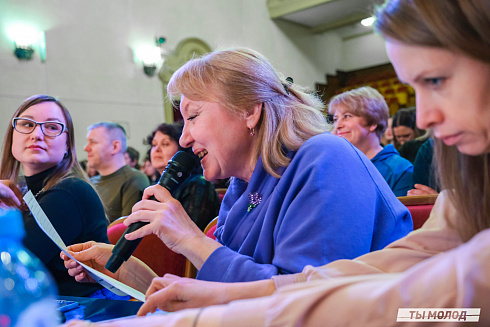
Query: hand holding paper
pixel 92 254
pixel 106 281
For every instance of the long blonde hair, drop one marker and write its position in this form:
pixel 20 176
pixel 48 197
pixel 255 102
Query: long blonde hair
pixel 69 166
pixel 241 78
pixel 461 26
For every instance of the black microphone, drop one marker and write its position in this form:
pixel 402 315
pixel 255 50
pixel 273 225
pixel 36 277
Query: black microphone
pixel 178 169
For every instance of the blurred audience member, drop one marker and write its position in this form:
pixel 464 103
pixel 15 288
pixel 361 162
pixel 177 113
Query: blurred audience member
pixel 360 116
pixel 88 169
pixel 132 157
pixel 91 172
pixel 404 126
pixel 83 164
pixel 119 186
pixel 387 137
pixel 150 171
pixel 424 171
pixel 410 148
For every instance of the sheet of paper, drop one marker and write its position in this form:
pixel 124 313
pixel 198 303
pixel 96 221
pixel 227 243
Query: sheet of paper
pixel 110 283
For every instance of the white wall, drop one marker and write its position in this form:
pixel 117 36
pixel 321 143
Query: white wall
pixel 364 51
pixel 90 67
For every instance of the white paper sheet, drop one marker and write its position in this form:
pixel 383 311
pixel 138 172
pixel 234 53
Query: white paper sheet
pixel 110 283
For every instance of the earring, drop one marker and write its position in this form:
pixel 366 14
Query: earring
pixel 252 131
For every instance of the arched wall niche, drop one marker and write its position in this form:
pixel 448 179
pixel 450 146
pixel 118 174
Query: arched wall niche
pixel 187 49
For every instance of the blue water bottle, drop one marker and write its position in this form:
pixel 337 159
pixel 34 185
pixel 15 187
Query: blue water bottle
pixel 27 291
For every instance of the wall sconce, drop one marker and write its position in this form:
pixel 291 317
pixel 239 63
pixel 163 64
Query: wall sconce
pixel 150 56
pixel 25 39
pixel 367 21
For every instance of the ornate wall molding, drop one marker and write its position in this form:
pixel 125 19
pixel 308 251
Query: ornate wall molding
pixel 187 49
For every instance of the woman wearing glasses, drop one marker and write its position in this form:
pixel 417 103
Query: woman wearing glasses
pixel 40 140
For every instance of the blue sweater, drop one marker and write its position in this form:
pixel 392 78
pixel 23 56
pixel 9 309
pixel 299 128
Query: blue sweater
pixel 397 171
pixel 330 203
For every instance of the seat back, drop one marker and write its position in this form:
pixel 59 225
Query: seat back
pixel 419 206
pixel 190 270
pixel 153 252
pixel 221 193
pixel 117 221
pixel 210 228
pixel 210 232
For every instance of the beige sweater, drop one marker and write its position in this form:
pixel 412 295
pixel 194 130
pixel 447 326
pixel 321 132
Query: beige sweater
pixel 368 291
pixel 411 272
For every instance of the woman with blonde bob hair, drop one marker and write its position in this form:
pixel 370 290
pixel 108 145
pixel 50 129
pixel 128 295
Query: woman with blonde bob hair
pixel 291 201
pixel 364 102
pixel 440 272
pixel 361 116
pixel 40 140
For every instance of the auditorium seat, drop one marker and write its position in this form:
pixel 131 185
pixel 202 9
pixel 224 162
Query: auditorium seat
pixel 117 221
pixel 419 206
pixel 395 81
pixel 190 270
pixel 221 193
pixel 210 228
pixel 388 92
pixel 384 83
pixel 152 251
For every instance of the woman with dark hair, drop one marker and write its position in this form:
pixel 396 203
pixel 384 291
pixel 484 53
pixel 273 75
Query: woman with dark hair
pixel 442 49
pixel 40 140
pixel 197 195
pixel 404 126
pixel 408 137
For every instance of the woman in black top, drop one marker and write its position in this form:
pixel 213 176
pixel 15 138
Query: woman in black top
pixel 40 139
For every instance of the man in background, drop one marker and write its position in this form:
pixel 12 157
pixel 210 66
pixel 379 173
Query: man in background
pixel 119 185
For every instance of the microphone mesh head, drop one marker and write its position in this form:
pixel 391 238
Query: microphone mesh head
pixel 188 160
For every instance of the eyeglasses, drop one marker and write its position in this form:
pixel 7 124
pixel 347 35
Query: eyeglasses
pixel 27 126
